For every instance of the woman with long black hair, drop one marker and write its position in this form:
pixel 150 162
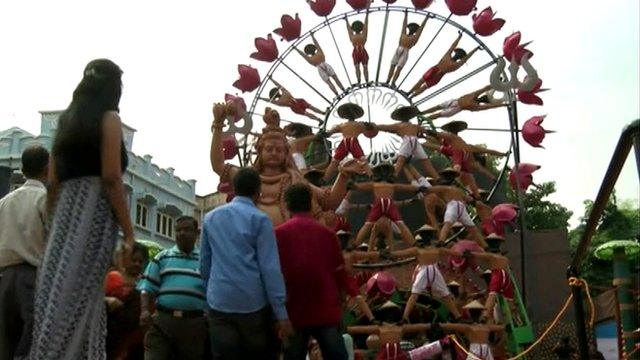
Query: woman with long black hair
pixel 88 198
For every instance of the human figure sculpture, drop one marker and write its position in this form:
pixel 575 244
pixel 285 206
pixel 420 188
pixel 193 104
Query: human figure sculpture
pixel 350 257
pixel 389 337
pixel 314 55
pixel 302 136
pixel 451 61
pixel 427 276
pixel 408 39
pixel 474 101
pixel 280 96
pixel 431 202
pixel 477 333
pixel 500 282
pixel 358 33
pixel 456 210
pixel 276 168
pixel 350 131
pixel 383 190
pixel 410 147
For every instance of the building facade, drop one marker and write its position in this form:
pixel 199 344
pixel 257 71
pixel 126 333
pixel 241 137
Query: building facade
pixel 156 196
pixel 207 203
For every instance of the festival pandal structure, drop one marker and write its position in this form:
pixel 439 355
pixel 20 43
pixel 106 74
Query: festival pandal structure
pixel 372 139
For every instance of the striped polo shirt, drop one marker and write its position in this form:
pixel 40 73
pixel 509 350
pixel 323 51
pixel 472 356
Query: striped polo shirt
pixel 174 278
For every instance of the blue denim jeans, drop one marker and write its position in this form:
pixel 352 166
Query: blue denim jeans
pixel 328 337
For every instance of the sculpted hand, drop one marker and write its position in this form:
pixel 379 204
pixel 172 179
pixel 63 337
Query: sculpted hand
pixel 219 114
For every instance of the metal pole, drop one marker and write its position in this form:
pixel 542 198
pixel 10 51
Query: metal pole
pixel 384 36
pixel 425 50
pixel 339 52
pixel 306 82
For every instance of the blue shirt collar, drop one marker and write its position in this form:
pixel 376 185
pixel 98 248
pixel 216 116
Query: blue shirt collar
pixel 243 199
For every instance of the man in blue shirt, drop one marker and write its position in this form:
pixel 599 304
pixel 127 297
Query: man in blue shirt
pixel 241 270
pixel 178 329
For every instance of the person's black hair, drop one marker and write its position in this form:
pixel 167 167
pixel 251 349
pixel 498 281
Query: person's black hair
pixel 98 92
pixel 310 49
pixel 298 198
pixel 247 182
pixel 137 247
pixel 34 161
pixel 483 99
pixel 458 54
pixel 274 93
pixel 413 28
pixel 444 181
pixel 357 26
pixel 480 158
pixel 193 220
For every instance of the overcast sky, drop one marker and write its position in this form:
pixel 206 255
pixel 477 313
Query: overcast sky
pixel 180 57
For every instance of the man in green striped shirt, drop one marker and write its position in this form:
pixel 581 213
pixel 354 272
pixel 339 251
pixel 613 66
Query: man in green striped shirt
pixel 172 279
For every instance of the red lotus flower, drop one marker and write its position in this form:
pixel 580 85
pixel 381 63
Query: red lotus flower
pixel 225 187
pixel 229 147
pixel 322 7
pixel 504 213
pixel 512 49
pixel 239 106
pixel 358 4
pixel 290 27
pixel 484 24
pixel 267 49
pixel 421 4
pixel 249 79
pixel 530 97
pixel 461 7
pixel 532 132
pixel 522 175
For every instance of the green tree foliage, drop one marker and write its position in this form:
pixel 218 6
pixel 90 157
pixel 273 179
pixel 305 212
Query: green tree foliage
pixel 540 213
pixel 619 221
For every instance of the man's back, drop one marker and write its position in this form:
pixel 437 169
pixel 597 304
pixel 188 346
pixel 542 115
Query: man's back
pixel 313 267
pixel 240 262
pixel 22 225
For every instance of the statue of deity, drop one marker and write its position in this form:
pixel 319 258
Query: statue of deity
pixel 276 167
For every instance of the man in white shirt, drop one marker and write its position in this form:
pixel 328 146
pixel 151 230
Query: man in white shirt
pixel 22 246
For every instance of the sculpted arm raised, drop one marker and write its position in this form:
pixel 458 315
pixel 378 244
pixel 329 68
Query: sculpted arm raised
pixel 225 171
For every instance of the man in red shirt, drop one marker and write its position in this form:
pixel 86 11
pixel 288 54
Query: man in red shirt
pixel 315 278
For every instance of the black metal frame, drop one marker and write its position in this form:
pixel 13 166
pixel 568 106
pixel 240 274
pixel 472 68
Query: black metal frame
pixel 630 137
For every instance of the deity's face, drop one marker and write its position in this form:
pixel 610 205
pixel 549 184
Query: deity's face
pixel 274 152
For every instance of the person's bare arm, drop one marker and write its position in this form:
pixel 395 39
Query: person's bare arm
pixel 424 22
pixel 365 31
pixel 349 31
pixel 480 91
pixel 405 252
pixel 146 299
pixel 406 188
pixel 405 22
pixel 482 150
pixel 431 146
pixel 387 128
pixel 306 58
pixel 454 44
pixel 464 60
pixel 216 154
pixel 490 106
pixel 334 130
pixel 111 173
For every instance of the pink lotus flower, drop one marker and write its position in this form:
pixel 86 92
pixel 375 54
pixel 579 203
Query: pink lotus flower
pixel 322 7
pixel 238 104
pixel 267 49
pixel 461 7
pixel 504 213
pixel 249 79
pixel 484 24
pixel 290 27
pixel 530 97
pixel 532 132
pixel 421 4
pixel 512 49
pixel 229 147
pixel 358 4
pixel 381 282
pixel 523 175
